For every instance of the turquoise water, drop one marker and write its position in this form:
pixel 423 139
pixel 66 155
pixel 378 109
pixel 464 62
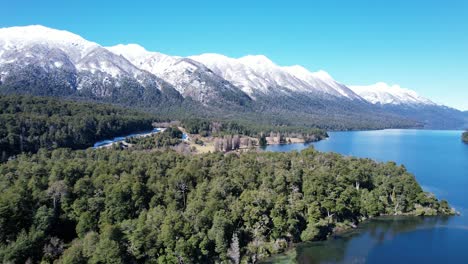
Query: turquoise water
pixel 106 142
pixel 439 160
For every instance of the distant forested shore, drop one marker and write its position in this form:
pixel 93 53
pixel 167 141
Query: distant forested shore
pixel 31 122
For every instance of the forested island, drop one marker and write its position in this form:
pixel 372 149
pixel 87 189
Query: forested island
pixel 465 137
pixel 123 206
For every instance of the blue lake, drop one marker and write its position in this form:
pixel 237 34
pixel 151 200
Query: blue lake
pixel 439 160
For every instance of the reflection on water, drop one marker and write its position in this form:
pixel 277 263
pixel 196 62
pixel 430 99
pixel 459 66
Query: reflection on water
pixel 356 246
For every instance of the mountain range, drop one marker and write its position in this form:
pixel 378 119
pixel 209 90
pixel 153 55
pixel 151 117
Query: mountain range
pixel 42 61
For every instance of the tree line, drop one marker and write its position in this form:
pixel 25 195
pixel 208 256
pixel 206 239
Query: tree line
pixel 123 206
pixel 30 123
pixel 233 142
pixel 206 127
pixel 171 136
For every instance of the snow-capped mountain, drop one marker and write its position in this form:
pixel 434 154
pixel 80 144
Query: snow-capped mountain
pixel 34 41
pixel 405 102
pixel 154 62
pixel 46 61
pixel 384 94
pixel 42 61
pixel 257 75
pixel 204 78
pixel 321 80
pixel 189 77
pixel 21 39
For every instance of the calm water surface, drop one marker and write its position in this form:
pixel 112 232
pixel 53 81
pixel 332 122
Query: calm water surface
pixel 108 142
pixel 439 160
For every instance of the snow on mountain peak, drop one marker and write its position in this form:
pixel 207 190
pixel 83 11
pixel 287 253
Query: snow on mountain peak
pixel 154 62
pixel 18 38
pixel 35 32
pixel 304 73
pixel 251 73
pixel 321 81
pixel 130 51
pixel 297 70
pixel 322 75
pixel 256 60
pixel 383 93
pixel 257 73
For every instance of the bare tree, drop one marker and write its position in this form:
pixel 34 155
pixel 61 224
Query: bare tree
pixel 216 127
pixel 57 190
pixel 236 142
pixel 182 187
pixel 54 248
pixel 244 142
pixel 217 145
pixel 182 148
pixel 249 143
pixel 234 250
pixel 278 138
pixel 227 143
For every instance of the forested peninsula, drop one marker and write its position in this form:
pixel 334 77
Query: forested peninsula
pixel 465 137
pixel 124 206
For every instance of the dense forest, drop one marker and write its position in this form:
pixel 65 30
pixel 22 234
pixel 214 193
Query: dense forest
pixel 465 137
pixel 30 123
pixel 122 206
pixel 206 127
pixel 171 136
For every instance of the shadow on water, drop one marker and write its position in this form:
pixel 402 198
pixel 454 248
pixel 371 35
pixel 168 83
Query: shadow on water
pixel 356 245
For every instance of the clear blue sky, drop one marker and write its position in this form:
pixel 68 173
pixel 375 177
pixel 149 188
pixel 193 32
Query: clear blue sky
pixel 419 44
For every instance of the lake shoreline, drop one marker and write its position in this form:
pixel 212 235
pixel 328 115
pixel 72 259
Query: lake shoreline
pixel 410 147
pixel 291 250
pixel 109 142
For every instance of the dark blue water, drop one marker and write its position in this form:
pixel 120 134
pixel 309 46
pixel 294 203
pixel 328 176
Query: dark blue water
pixel 439 160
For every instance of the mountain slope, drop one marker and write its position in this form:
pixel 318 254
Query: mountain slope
pixel 42 61
pixel 408 103
pixel 19 39
pixel 257 76
pixel 296 92
pixel 384 94
pixel 321 80
pixel 189 78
